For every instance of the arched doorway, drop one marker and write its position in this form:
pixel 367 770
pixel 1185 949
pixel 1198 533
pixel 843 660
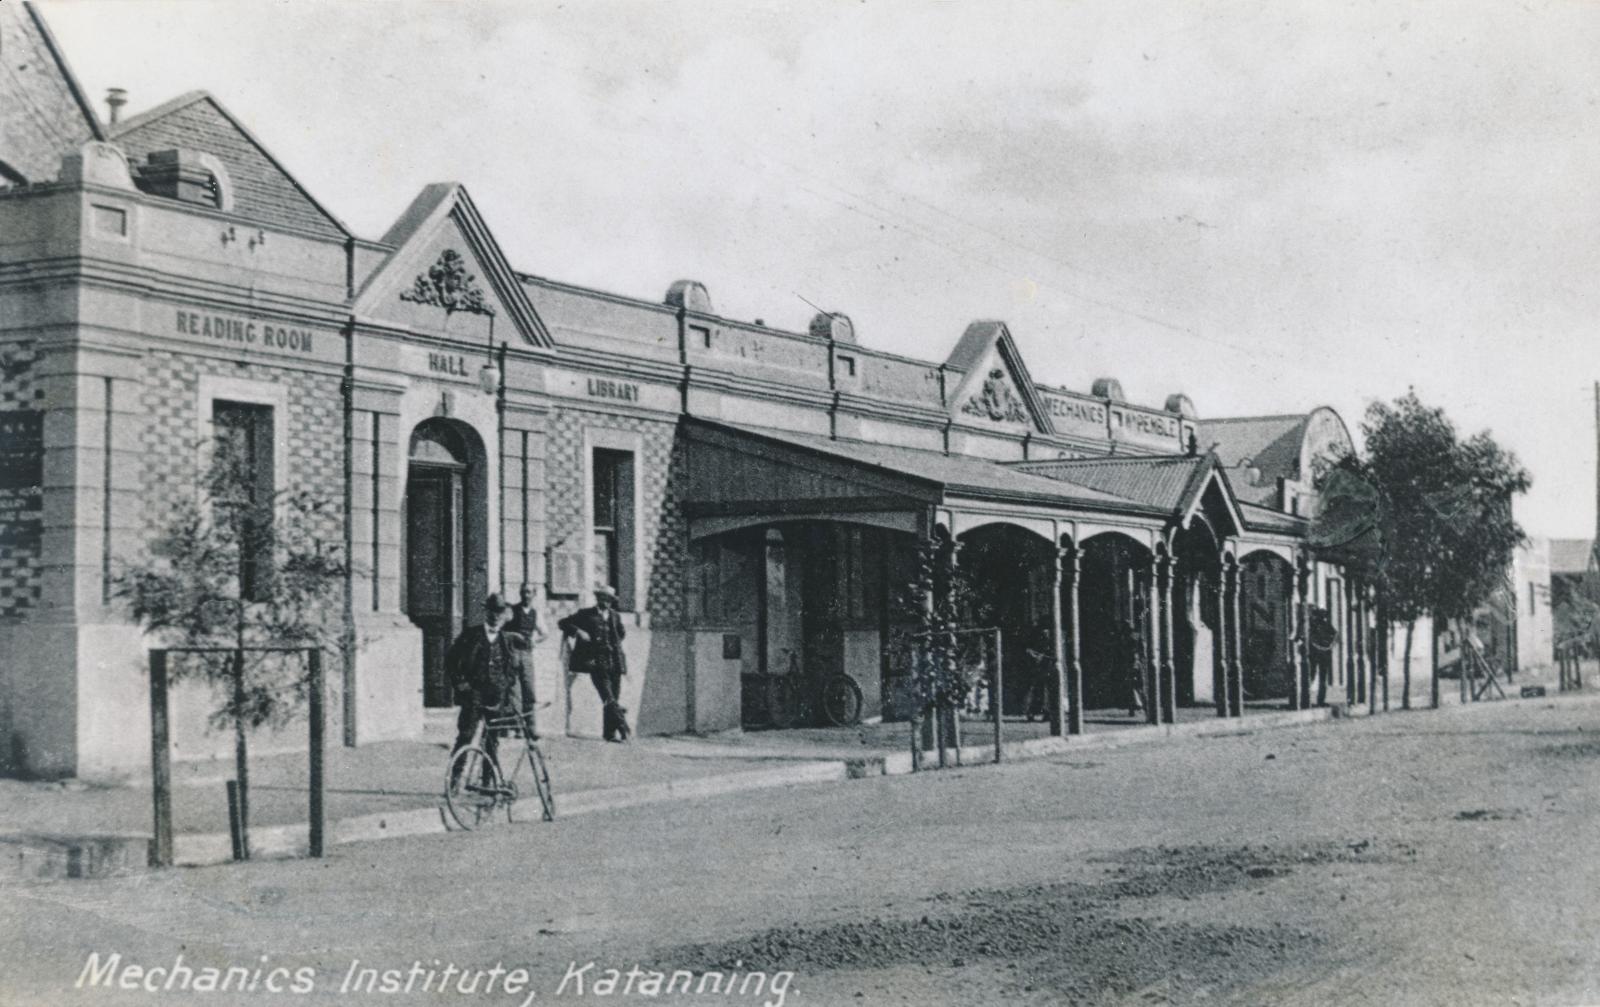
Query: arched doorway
pixel 1007 571
pixel 1115 590
pixel 1196 615
pixel 445 567
pixel 1266 594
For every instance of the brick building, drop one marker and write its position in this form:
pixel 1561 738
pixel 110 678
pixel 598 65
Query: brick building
pixel 757 496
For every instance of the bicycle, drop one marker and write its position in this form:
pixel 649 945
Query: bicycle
pixel 789 700
pixel 476 788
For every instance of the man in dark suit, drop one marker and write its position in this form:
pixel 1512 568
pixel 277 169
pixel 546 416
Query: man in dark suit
pixel 597 633
pixel 488 667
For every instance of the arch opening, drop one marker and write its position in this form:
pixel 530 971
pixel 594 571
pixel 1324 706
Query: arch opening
pixel 444 567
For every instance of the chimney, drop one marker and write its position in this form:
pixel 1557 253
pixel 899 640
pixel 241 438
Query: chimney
pixel 116 97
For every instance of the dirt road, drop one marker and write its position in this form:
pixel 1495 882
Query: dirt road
pixel 1438 858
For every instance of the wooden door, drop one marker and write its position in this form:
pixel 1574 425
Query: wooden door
pixel 435 575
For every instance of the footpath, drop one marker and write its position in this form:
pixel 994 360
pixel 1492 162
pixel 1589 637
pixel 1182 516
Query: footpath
pixel 72 829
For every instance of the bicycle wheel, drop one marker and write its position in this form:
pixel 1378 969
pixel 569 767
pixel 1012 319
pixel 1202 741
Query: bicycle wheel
pixel 841 701
pixel 475 789
pixel 534 759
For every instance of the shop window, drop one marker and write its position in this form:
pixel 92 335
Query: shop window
pixel 613 523
pixel 245 449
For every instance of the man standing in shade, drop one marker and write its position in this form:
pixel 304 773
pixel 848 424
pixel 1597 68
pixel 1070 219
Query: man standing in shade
pixel 525 618
pixel 597 651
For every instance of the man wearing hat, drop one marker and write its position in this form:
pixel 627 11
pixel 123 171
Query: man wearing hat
pixel 487 667
pixel 597 633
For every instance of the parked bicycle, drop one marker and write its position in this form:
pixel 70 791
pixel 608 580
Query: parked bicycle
pixel 792 698
pixel 478 790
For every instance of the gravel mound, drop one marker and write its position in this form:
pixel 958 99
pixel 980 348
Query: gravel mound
pixel 1078 941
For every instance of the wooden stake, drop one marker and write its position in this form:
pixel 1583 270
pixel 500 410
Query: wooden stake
pixel 160 762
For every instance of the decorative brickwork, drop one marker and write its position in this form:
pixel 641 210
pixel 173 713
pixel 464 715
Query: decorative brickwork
pixel 19 547
pixel 313 456
pixel 662 528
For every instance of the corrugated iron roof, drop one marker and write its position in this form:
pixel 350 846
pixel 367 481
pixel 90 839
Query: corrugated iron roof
pixel 959 473
pixel 1160 481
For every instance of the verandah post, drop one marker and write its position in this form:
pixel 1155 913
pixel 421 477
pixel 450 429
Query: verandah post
pixel 160 762
pixel 314 842
pixel 996 680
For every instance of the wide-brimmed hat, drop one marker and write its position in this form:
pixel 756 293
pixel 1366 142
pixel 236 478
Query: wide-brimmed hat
pixel 495 603
pixel 605 590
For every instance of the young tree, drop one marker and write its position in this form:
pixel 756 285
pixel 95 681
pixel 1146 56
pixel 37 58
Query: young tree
pixel 1428 515
pixel 233 567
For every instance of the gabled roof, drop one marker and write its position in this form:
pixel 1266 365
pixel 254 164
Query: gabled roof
pixel 263 189
pixel 1174 484
pixel 436 206
pixel 1269 443
pixel 43 111
pixel 968 356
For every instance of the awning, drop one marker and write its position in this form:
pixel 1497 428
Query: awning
pixel 735 471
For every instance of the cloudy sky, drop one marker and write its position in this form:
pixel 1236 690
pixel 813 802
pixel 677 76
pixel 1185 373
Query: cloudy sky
pixel 1266 205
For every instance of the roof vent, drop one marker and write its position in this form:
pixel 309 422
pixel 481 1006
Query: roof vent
pixel 690 295
pixel 1179 403
pixel 833 326
pixel 116 97
pixel 1108 388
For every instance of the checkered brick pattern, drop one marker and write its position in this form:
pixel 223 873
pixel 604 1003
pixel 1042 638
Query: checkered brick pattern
pixel 314 454
pixel 663 530
pixel 19 563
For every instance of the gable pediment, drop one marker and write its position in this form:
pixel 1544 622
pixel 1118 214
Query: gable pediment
pixel 996 390
pixel 448 277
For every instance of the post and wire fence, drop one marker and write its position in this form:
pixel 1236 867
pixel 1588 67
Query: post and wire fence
pixel 161 846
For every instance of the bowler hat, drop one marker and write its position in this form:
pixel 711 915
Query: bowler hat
pixel 495 603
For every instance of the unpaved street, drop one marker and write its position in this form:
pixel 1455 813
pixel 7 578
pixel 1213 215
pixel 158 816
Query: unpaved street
pixel 1414 858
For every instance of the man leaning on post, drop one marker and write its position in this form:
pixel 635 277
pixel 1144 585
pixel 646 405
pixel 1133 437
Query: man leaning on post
pixel 487 666
pixel 598 633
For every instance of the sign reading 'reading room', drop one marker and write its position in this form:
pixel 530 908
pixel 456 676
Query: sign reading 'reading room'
pixel 244 332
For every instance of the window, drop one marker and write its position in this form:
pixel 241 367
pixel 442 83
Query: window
pixel 702 336
pixel 244 447
pixel 612 554
pixel 847 366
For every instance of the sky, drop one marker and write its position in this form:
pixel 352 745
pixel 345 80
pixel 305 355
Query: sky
pixel 1268 206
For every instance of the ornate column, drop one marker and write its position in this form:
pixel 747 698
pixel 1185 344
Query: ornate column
pixel 1167 685
pixel 1236 639
pixel 1152 643
pixel 1362 695
pixel 1220 686
pixel 1072 567
pixel 1300 644
pixel 1059 693
pixel 1347 638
